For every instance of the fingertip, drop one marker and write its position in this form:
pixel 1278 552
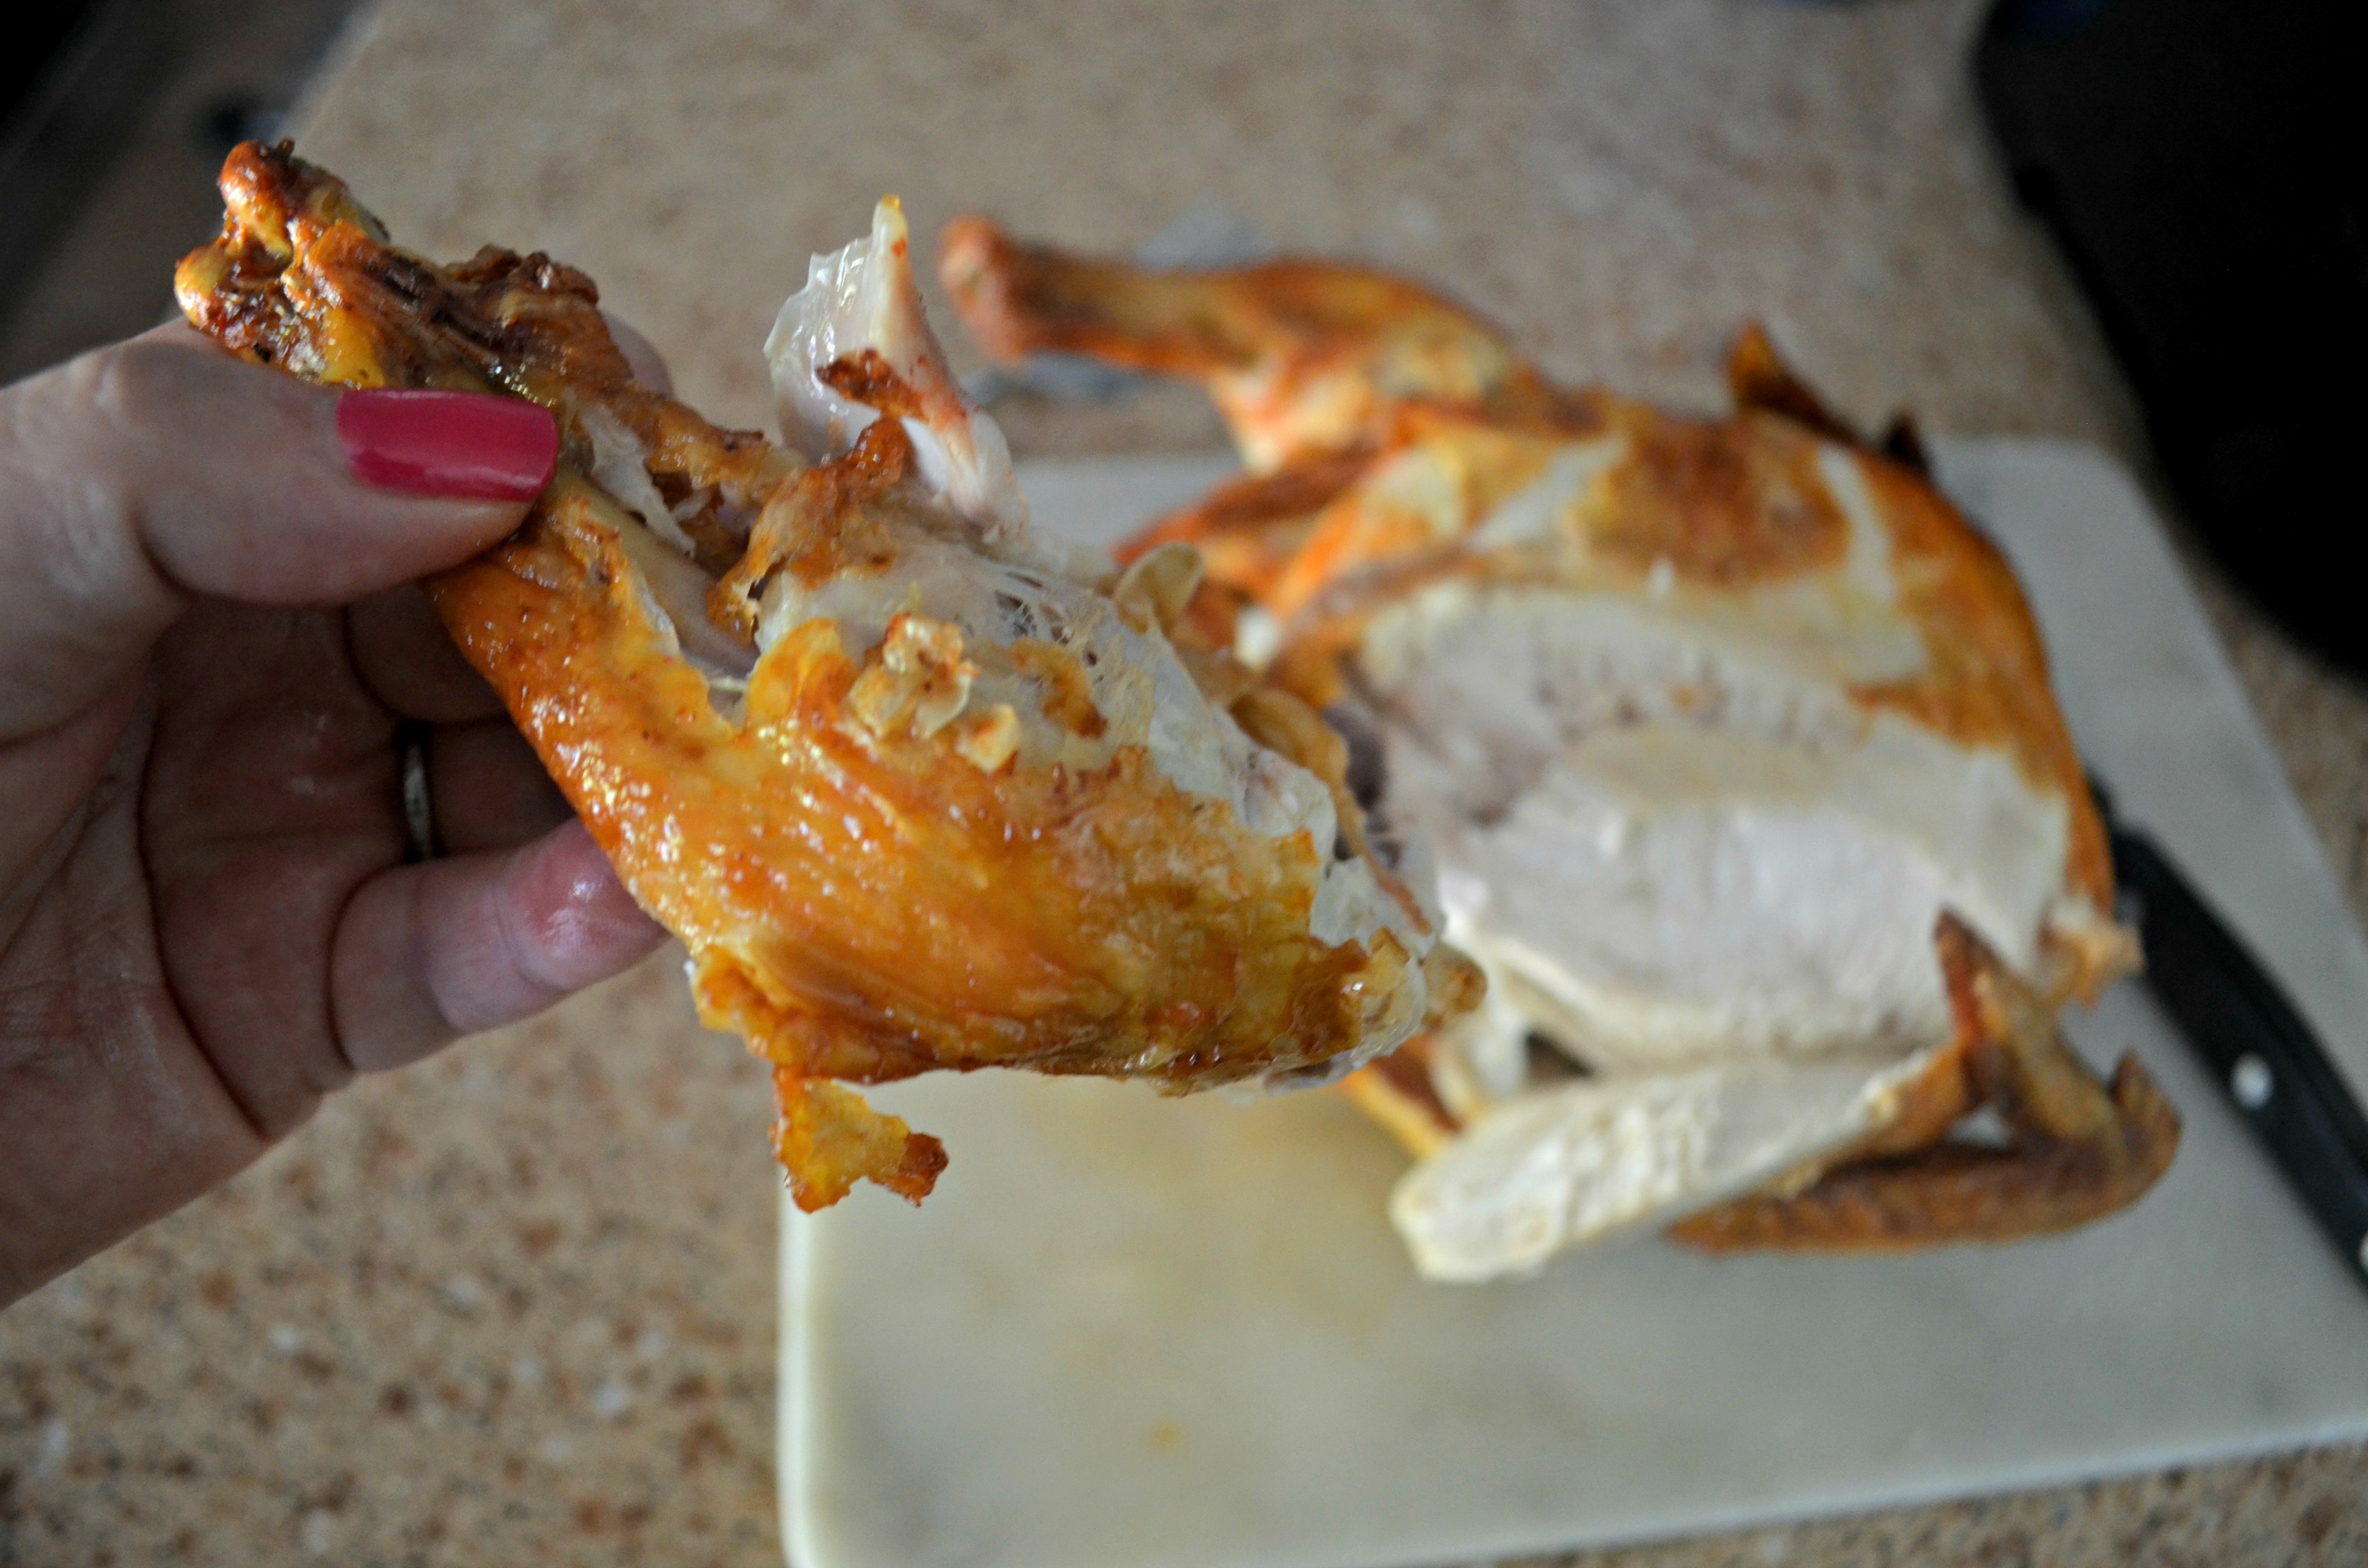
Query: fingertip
pixel 649 365
pixel 409 662
pixel 471 942
pixel 576 923
pixel 457 445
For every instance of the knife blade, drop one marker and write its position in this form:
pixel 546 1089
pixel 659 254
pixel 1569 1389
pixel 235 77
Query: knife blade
pixel 2238 1021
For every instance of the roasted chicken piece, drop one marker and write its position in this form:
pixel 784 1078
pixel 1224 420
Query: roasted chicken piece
pixel 915 789
pixel 1732 738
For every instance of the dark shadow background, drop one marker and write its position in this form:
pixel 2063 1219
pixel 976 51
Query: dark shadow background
pixel 114 117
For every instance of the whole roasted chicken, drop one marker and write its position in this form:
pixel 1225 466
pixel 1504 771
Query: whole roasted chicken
pixel 915 791
pixel 1732 739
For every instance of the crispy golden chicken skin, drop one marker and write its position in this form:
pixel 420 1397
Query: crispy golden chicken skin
pixel 1734 739
pixel 914 791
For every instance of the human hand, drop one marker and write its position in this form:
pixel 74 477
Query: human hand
pixel 208 648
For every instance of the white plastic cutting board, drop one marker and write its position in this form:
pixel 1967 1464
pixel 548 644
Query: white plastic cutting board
pixel 1132 1332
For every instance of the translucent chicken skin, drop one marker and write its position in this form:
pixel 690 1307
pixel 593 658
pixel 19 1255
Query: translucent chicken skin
pixel 912 794
pixel 1655 688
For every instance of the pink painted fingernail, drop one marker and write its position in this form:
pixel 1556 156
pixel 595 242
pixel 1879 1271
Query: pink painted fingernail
pixel 448 443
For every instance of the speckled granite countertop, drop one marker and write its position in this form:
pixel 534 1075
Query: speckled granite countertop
pixel 517 1305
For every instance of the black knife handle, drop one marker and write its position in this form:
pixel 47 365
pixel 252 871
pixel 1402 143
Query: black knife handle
pixel 2268 1061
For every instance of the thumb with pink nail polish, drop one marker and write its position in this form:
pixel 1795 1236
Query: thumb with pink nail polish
pixel 467 444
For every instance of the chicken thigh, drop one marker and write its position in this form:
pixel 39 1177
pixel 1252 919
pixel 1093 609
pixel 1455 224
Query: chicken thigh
pixel 915 789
